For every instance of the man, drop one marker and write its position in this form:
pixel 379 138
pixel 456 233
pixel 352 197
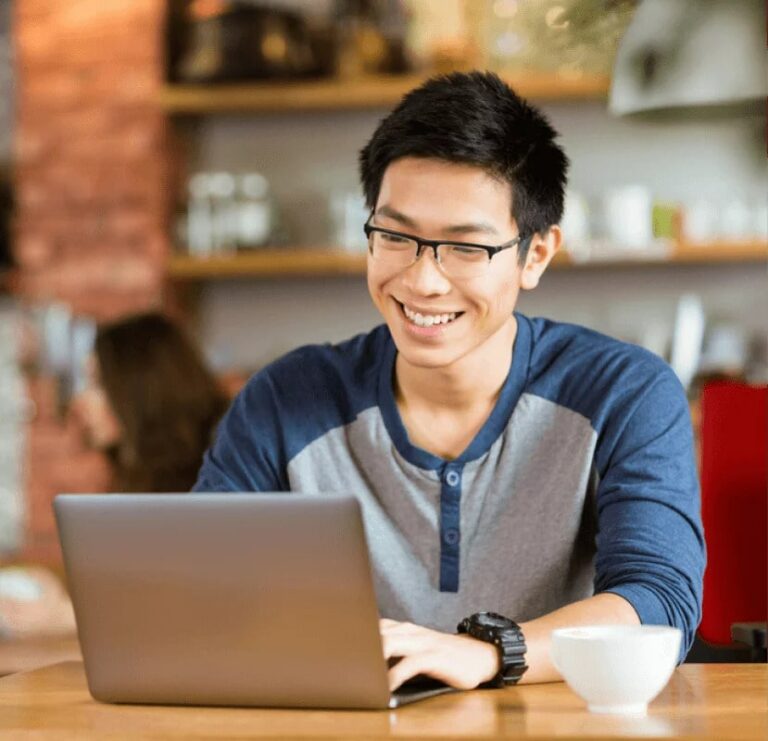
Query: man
pixel 536 470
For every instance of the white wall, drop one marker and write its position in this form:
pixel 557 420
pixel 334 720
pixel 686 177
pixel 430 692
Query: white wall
pixel 308 156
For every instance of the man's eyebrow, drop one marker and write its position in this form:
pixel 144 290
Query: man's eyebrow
pixel 480 227
pixel 392 213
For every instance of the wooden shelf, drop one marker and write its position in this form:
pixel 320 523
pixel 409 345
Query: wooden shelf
pixel 722 251
pixel 269 262
pixel 286 262
pixel 367 92
pixel 710 253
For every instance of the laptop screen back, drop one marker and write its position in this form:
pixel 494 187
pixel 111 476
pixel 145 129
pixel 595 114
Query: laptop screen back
pixel 221 599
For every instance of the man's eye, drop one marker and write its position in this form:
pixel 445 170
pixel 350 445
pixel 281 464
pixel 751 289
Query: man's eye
pixel 468 253
pixel 394 239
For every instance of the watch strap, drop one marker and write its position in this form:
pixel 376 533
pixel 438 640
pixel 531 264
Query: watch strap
pixel 509 642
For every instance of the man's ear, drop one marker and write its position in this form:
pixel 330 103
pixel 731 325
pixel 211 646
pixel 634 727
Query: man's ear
pixel 543 248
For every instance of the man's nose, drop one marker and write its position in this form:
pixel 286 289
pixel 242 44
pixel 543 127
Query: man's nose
pixel 425 276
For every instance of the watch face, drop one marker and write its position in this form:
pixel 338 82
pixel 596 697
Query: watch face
pixel 492 620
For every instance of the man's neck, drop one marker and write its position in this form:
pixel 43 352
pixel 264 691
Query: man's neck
pixel 472 382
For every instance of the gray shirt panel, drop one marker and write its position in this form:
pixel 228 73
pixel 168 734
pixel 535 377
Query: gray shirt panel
pixel 527 515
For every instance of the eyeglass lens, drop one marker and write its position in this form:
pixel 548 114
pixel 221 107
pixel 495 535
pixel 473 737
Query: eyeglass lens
pixel 401 251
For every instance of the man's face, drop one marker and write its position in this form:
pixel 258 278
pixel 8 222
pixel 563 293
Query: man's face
pixel 435 199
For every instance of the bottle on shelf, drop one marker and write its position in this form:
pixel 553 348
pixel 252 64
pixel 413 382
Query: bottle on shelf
pixel 255 213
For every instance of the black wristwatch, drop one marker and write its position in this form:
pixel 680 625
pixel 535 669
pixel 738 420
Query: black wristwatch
pixel 506 635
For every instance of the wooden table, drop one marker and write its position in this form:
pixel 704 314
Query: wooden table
pixel 24 654
pixel 713 701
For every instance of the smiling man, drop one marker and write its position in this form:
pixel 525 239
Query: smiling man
pixel 516 475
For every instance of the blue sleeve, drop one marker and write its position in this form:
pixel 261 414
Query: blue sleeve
pixel 248 453
pixel 650 544
pixel 286 406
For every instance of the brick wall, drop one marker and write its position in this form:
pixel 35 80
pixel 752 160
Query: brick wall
pixel 92 183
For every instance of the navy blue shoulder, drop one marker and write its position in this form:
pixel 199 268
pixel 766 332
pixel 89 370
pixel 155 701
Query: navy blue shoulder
pixel 288 405
pixel 317 388
pixel 590 373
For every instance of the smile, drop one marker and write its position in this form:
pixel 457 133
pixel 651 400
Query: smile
pixel 429 320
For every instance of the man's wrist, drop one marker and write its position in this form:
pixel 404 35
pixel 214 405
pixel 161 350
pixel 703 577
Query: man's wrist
pixel 507 641
pixel 488 658
pixel 491 660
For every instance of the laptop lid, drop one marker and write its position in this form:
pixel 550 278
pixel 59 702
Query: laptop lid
pixel 224 599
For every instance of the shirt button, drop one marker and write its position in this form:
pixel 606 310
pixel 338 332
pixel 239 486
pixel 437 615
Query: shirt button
pixel 451 536
pixel 452 478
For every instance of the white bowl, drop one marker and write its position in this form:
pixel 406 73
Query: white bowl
pixel 616 668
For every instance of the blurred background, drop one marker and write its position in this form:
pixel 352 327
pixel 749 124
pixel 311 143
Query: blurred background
pixel 200 158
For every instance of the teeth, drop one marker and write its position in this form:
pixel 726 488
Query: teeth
pixel 428 320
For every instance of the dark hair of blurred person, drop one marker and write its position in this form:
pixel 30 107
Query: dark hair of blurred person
pixel 152 405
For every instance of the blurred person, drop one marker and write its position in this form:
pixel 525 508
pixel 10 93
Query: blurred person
pixel 151 404
pixel 516 475
pixel 151 407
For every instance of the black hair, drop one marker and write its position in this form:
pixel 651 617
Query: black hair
pixel 475 118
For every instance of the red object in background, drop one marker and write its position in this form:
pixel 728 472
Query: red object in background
pixel 734 498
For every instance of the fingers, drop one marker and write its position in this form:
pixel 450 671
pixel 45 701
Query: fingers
pixel 402 639
pixel 410 643
pixel 403 644
pixel 430 663
pixel 405 669
pixel 455 660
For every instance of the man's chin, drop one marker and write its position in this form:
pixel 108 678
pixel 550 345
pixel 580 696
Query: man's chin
pixel 426 358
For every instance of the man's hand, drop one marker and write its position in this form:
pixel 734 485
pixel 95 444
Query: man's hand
pixel 458 660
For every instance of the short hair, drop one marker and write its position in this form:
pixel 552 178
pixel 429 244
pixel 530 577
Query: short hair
pixel 475 118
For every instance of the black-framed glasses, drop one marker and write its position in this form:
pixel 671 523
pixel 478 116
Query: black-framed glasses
pixel 457 259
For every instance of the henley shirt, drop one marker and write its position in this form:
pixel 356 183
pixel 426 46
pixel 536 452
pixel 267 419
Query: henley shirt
pixel 581 481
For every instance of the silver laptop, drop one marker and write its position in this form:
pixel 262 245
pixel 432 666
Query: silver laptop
pixel 227 599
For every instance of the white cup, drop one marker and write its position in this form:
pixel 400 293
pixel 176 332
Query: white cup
pixel 616 668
